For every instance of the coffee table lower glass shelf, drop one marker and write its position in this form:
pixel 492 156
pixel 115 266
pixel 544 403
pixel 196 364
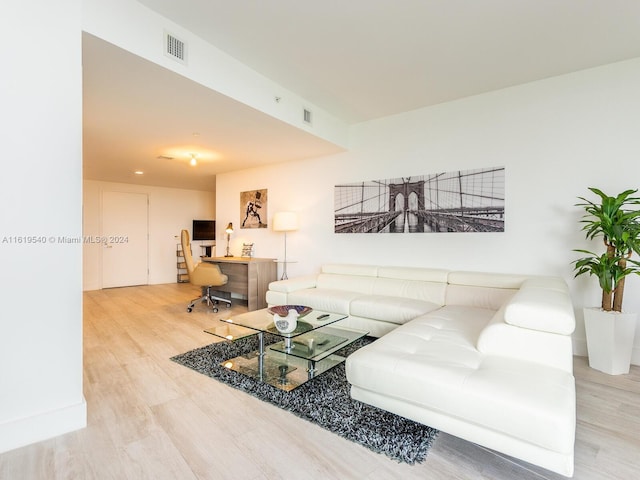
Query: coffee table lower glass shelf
pixel 292 361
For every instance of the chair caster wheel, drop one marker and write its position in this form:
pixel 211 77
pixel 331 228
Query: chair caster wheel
pixel 189 309
pixel 215 310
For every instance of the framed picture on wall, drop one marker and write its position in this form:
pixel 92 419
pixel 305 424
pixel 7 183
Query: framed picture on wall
pixel 455 201
pixel 253 209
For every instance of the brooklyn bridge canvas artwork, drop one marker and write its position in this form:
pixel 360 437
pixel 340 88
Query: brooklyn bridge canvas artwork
pixel 457 201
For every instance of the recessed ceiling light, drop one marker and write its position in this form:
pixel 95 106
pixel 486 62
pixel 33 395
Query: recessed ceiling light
pixel 139 172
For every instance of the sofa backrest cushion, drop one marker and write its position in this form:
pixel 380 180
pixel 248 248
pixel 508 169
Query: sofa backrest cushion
pixel 409 282
pixel 483 279
pixel 414 273
pixel 482 290
pixel 352 278
pixel 350 269
pixel 350 283
pixel 543 304
pixel 428 284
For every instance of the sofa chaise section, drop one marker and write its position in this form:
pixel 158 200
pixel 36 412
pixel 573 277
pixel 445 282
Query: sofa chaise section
pixel 466 370
pixel 430 371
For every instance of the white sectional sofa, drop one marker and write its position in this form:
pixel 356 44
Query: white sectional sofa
pixel 485 357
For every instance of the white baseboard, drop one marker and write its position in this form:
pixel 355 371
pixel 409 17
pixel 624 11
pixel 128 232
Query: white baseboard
pixel 25 431
pixel 580 347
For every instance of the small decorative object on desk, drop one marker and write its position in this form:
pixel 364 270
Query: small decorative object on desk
pixel 247 250
pixel 286 324
pixel 283 310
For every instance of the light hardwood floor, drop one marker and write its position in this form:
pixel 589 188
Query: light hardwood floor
pixel 149 418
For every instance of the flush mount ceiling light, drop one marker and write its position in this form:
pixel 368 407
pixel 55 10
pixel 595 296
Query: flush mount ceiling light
pixel 189 154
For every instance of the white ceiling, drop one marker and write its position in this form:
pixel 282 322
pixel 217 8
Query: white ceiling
pixel 356 59
pixel 136 111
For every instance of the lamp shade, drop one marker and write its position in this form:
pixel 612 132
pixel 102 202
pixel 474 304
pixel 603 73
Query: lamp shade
pixel 285 221
pixel 229 228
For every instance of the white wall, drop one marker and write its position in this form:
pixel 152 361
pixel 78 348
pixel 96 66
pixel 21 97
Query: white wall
pixel 170 210
pixel 41 295
pixel 555 137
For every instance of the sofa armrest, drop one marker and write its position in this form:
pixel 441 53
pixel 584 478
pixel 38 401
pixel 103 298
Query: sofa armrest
pixel 293 284
pixel 502 339
pixel 534 325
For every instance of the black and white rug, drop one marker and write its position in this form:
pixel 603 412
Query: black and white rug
pixel 324 400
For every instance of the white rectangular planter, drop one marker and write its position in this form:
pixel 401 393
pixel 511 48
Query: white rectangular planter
pixel 609 339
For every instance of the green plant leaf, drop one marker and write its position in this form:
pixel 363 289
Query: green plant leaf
pixel 615 219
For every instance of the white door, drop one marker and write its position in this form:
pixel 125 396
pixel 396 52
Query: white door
pixel 125 256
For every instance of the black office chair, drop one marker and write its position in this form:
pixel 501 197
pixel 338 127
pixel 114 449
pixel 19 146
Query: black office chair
pixel 203 275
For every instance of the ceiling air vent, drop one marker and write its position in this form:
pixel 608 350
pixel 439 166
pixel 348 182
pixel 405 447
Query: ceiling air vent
pixel 175 48
pixel 306 116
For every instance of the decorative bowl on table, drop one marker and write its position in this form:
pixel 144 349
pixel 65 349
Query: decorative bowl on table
pixel 283 310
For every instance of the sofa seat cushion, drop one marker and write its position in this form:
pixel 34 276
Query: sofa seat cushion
pixel 324 299
pixel 432 362
pixel 397 310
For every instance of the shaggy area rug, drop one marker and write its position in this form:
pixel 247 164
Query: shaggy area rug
pixel 323 400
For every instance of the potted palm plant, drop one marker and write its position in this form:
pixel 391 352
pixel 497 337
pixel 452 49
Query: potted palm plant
pixel 610 331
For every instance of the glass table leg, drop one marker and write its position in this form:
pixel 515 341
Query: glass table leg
pixel 261 356
pixel 288 344
pixel 311 368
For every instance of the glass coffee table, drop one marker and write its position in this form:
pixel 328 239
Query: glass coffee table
pixel 295 359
